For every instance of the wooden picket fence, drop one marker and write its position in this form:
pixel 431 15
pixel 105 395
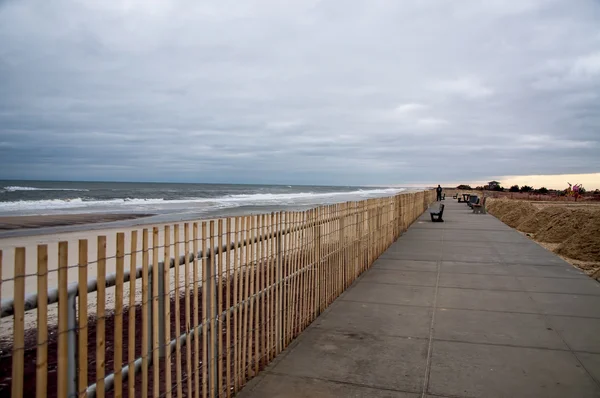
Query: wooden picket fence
pixel 228 296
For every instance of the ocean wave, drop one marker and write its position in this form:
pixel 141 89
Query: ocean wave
pixel 256 199
pixel 58 204
pixel 17 188
pixel 275 197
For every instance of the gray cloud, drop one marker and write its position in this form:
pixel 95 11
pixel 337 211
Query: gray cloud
pixel 330 92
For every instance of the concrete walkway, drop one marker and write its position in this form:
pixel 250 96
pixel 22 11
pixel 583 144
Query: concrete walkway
pixel 465 308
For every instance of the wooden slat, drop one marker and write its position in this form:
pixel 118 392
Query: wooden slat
pixel 341 271
pixel 188 318
pixel 167 310
pixel 329 255
pixel 63 308
pixel 310 271
pixel 309 266
pixel 236 303
pixel 295 269
pixel 155 309
pixel 278 277
pixel 18 352
pixel 300 277
pixel 131 327
pixel 256 273
pixel 287 271
pixel 340 248
pixel 310 234
pixel 228 312
pixel 326 255
pixel 261 287
pixel 205 314
pixel 82 377
pixel 301 266
pixel 41 376
pixel 267 287
pixel 251 325
pixel 290 270
pixel 296 287
pixel 219 269
pixel 195 275
pixel 320 262
pixel 323 263
pixel 267 283
pixel 145 304
pixel 307 261
pixel 245 358
pixel 100 315
pixel 213 310
pixel 272 286
pixel 176 275
pixel 118 336
pixel 316 273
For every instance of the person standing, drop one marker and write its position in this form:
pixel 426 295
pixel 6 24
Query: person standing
pixel 438 190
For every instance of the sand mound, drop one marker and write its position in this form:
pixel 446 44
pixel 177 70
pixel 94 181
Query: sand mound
pixel 520 211
pixel 540 219
pixel 491 204
pixel 500 207
pixel 563 226
pixel 585 244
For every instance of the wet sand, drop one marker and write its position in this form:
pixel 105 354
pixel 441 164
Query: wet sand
pixel 11 223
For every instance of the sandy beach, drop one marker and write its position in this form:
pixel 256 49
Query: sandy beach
pixel 31 242
pixel 12 223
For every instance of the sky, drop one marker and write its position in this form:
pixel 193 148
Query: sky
pixel 340 92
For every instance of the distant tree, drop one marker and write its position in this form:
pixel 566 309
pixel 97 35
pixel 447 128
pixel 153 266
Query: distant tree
pixel 542 190
pixel 514 188
pixel 582 190
pixel 463 186
pixel 526 188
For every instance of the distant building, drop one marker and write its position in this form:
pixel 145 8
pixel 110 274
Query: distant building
pixel 493 185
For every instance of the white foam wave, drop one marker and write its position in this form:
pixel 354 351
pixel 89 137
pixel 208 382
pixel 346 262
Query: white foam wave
pixel 222 202
pixel 271 197
pixel 17 188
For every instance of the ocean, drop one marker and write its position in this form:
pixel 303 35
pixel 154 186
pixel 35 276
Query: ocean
pixel 171 200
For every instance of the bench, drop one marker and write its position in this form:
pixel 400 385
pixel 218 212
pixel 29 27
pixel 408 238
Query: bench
pixel 465 198
pixel 437 213
pixel 479 208
pixel 443 196
pixel 455 196
pixel 473 200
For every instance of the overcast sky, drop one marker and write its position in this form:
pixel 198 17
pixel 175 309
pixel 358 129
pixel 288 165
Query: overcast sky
pixel 318 92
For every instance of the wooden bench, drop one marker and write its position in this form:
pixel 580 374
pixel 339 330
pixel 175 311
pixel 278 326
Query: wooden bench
pixel 479 208
pixel 465 198
pixel 436 214
pixel 473 200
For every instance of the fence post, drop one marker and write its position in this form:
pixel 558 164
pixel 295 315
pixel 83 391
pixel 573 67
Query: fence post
pixel 319 214
pixel 213 353
pixel 72 346
pixel 341 212
pixel 279 292
pixel 150 314
pixel 161 310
